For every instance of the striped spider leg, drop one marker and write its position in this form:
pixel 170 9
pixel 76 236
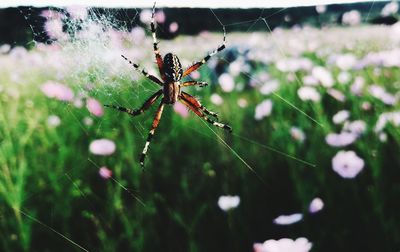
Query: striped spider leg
pixel 134 112
pixel 193 104
pixel 159 60
pixel 154 126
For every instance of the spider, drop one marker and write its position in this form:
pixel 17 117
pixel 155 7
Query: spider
pixel 172 73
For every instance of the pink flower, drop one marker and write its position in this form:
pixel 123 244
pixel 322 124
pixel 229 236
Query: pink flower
pixel 341 116
pixel 381 94
pixel 308 94
pixel 94 107
pixel 227 83
pixel 58 91
pixel 316 205
pixel 366 106
pixel 137 35
pixel 357 127
pixel 357 86
pixel 105 173
pixel 297 134
pixel 269 87
pixel 102 147
pixel 344 77
pixel 283 245
pixel 263 109
pixel 216 99
pixel 346 61
pixel 54 28
pixel 77 12
pixel 323 76
pixel 195 75
pixel 347 164
pixel 159 16
pixel 173 27
pixel 390 8
pixel 242 102
pixel 340 140
pixel 288 219
pixel 181 109
pixel 336 94
pixel 51 14
pixel 310 80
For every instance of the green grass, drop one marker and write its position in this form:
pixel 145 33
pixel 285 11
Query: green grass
pixel 49 176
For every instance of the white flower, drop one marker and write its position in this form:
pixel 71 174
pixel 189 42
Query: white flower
pixel 87 121
pixel 288 219
pixel 227 83
pixel 102 147
pixel 216 99
pixel 242 102
pixel 308 94
pixel 347 164
pixel 390 8
pixel 336 94
pixel 316 205
pixel 346 61
pixel 53 121
pixel 320 9
pixel 344 77
pixel 310 80
pixel 357 86
pixel 269 87
pixel 263 109
pixel 383 137
pixel 341 116
pixel 357 127
pixel 392 117
pixel 351 18
pixel 323 76
pixel 5 48
pixel 228 202
pixel 381 94
pixel 340 140
pixel 283 245
pixel 145 16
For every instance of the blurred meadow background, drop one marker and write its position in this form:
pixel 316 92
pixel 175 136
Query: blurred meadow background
pixel 312 94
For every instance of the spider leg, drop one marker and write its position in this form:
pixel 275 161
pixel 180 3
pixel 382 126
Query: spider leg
pixel 197 104
pixel 134 112
pixel 198 64
pixel 197 108
pixel 159 59
pixel 144 72
pixel 154 126
pixel 194 83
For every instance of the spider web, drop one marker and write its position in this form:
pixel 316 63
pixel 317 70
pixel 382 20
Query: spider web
pixel 91 62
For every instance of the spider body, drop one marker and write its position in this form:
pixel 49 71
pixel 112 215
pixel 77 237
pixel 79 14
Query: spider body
pixel 171 72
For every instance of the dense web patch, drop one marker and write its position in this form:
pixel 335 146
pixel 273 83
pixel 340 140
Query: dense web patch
pixel 86 47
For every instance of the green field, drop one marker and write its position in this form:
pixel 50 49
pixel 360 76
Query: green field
pixel 53 198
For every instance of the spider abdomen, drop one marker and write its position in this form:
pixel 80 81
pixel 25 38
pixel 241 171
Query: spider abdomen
pixel 171 92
